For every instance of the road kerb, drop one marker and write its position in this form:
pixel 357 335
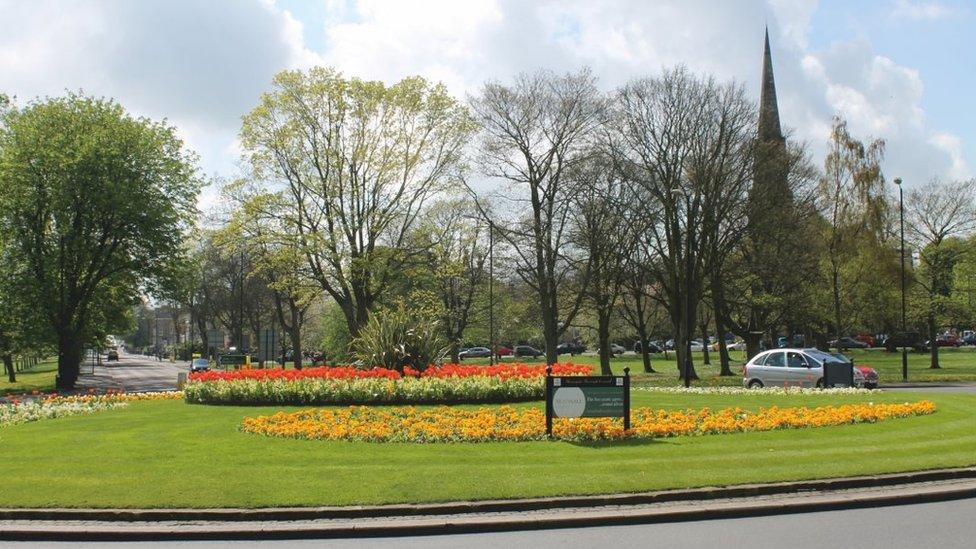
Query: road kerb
pixel 415 526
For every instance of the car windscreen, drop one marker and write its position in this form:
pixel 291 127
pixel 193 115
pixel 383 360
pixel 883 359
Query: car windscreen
pixel 201 362
pixel 823 358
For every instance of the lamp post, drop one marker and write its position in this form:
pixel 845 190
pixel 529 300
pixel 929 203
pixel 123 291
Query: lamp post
pixel 491 291
pixel 904 328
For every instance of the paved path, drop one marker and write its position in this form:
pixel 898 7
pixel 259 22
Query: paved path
pixel 133 374
pixel 411 527
pixel 946 525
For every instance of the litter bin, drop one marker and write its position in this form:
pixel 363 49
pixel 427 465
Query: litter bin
pixel 838 374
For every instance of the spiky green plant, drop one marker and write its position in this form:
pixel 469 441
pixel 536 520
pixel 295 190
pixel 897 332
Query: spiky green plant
pixel 397 338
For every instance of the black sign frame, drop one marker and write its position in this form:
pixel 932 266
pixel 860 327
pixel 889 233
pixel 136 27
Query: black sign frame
pixel 586 381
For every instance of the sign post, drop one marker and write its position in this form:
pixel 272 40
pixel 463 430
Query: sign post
pixel 268 346
pixel 587 396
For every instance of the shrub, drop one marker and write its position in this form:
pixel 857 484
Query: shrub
pixel 396 339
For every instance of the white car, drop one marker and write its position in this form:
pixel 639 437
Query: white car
pixel 798 368
pixel 733 346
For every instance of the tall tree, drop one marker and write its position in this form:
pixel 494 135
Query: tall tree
pixel 97 203
pixel 357 161
pixel 938 212
pixel 853 207
pixel 687 141
pixel 606 227
pixel 457 253
pixel 534 132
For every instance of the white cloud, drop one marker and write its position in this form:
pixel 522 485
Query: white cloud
pixel 204 64
pixel 920 11
pixel 953 147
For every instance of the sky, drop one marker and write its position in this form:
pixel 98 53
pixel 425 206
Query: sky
pixel 900 70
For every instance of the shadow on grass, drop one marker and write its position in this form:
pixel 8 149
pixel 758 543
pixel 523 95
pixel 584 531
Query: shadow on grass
pixel 602 444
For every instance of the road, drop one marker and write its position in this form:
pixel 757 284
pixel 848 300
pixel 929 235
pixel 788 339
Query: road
pixel 946 525
pixel 133 374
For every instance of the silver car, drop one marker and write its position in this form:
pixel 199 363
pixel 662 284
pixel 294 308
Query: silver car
pixel 791 368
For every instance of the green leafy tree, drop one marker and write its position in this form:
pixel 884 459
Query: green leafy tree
pixel 356 162
pixel 96 203
pixel 939 214
pixel 854 208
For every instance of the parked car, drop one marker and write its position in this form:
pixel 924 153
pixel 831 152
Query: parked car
pixel 112 355
pixel 200 365
pixel 616 349
pixel 946 341
pixel 502 350
pixel 911 339
pixel 866 339
pixel 969 339
pixel 570 349
pixel 527 350
pixel 846 343
pixel 870 374
pixel 794 367
pixel 652 347
pixel 475 352
pixel 730 345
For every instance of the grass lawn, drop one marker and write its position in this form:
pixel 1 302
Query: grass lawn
pixel 164 454
pixel 957 365
pixel 40 378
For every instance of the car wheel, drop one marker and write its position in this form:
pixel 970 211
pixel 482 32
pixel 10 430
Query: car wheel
pixel 820 384
pixel 870 385
pixel 755 384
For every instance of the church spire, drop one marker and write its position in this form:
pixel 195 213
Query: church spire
pixel 769 128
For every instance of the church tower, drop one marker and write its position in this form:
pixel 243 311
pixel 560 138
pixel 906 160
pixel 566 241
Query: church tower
pixel 770 190
pixel 769 128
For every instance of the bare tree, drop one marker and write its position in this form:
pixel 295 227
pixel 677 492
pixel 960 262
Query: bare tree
pixel 686 140
pixel 937 212
pixel 457 247
pixel 605 227
pixel 534 133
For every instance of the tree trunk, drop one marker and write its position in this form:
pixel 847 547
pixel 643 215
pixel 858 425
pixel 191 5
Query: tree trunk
pixel 455 351
pixel 295 331
pixel 603 333
pixel 704 332
pixel 551 333
pixel 835 282
pixel 69 359
pixel 718 307
pixel 8 363
pixel 933 344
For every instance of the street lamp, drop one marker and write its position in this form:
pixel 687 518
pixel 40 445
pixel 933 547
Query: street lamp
pixel 904 328
pixel 491 292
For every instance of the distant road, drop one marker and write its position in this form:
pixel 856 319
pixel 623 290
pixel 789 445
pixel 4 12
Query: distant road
pixel 133 374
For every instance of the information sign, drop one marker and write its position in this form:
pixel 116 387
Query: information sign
pixel 587 396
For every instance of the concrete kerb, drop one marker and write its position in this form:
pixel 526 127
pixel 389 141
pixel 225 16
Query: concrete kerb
pixel 485 506
pixel 478 523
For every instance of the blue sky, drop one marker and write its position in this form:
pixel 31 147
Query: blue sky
pixel 902 70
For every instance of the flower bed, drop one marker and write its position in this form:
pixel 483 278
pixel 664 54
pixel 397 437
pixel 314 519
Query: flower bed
pixel 771 391
pixel 318 386
pixel 504 371
pixel 34 410
pixel 445 424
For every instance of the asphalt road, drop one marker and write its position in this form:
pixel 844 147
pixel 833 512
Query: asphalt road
pixel 946 525
pixel 133 374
